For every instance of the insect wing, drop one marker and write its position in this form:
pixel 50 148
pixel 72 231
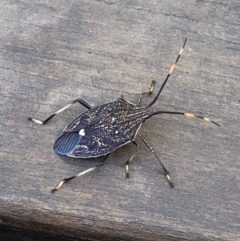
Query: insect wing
pixel 66 143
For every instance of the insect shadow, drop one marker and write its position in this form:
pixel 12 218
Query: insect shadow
pixel 102 129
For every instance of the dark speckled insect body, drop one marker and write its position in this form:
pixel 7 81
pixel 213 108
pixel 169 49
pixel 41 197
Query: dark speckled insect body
pixel 102 129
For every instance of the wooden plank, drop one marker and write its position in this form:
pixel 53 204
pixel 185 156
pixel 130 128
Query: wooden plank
pixel 55 51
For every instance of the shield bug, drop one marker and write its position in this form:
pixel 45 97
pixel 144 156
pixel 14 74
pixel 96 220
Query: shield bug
pixel 102 129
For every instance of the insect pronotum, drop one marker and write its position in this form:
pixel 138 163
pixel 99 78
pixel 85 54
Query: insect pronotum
pixel 102 129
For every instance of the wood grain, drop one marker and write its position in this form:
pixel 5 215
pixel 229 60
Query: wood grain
pixel 55 51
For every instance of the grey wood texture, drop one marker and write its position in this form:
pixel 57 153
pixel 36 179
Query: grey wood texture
pixel 52 52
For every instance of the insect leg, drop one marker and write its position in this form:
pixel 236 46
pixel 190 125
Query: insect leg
pixel 166 173
pixel 80 101
pixel 80 174
pixel 146 93
pixel 130 159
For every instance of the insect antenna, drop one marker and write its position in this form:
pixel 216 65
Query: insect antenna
pixel 169 73
pixel 182 113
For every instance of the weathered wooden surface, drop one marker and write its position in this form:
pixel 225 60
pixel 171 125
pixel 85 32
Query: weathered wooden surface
pixel 54 51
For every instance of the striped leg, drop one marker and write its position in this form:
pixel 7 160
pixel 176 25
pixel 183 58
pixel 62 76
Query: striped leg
pixel 130 159
pixel 166 173
pixel 146 93
pixel 80 101
pixel 80 174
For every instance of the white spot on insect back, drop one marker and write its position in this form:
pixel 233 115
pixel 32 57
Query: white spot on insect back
pixel 82 132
